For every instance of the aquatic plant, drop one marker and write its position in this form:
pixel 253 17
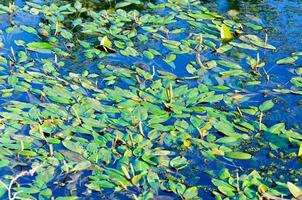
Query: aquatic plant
pixel 99 102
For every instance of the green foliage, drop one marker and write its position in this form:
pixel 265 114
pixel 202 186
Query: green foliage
pixel 132 128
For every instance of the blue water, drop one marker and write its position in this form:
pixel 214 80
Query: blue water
pixel 282 22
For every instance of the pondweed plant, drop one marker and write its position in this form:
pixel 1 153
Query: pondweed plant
pixel 94 96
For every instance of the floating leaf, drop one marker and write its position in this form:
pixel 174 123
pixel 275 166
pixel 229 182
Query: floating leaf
pixel 224 174
pixel 78 5
pixel 27 153
pixel 228 140
pixel 296 192
pixel 225 128
pixel 3 60
pixel 82 166
pixel 229 192
pixel 267 105
pixel 225 33
pixel 191 69
pixel 277 128
pixel 170 58
pixel 229 64
pixel 105 42
pixel 297 81
pixel 238 155
pixel 191 193
pixel 125 171
pixel 256 41
pixel 300 151
pixel 29 29
pixel 42 47
pixel 148 55
pixel 66 34
pixel 244 46
pixel 288 60
pixel 125 3
pixel 179 162
pixel 3 190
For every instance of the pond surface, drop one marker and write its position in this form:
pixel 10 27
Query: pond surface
pixel 281 22
pixel 151 100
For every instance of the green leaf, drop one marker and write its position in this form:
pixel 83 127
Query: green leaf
pixel 78 5
pixel 29 29
pixel 82 166
pixel 170 58
pixel 4 163
pixel 297 81
pixel 296 192
pixel 226 191
pixel 257 41
pixel 98 185
pixel 229 64
pixel 106 42
pixel 125 172
pixel 140 165
pixel 122 4
pixel 300 151
pixel 191 193
pixel 27 153
pixel 2 191
pixel 67 198
pixel 225 128
pixel 179 162
pixel 66 34
pixel 267 105
pixel 219 183
pixel 3 60
pixel 224 174
pixel 228 140
pixel 225 33
pixel 148 55
pixel 223 49
pixel 277 128
pixel 238 155
pixel 153 180
pixel 136 179
pixel 41 47
pixel 191 69
pixel 244 46
pixel 288 60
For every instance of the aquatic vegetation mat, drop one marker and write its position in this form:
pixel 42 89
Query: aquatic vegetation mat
pixel 141 100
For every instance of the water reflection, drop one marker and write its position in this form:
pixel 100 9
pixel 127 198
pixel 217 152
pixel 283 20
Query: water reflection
pixel 239 5
pixel 226 5
pixel 281 20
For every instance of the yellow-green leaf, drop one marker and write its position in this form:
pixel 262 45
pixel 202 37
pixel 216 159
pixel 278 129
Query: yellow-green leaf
pixel 225 33
pixel 106 42
pixel 300 151
pixel 296 192
pixel 126 173
pixel 238 155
